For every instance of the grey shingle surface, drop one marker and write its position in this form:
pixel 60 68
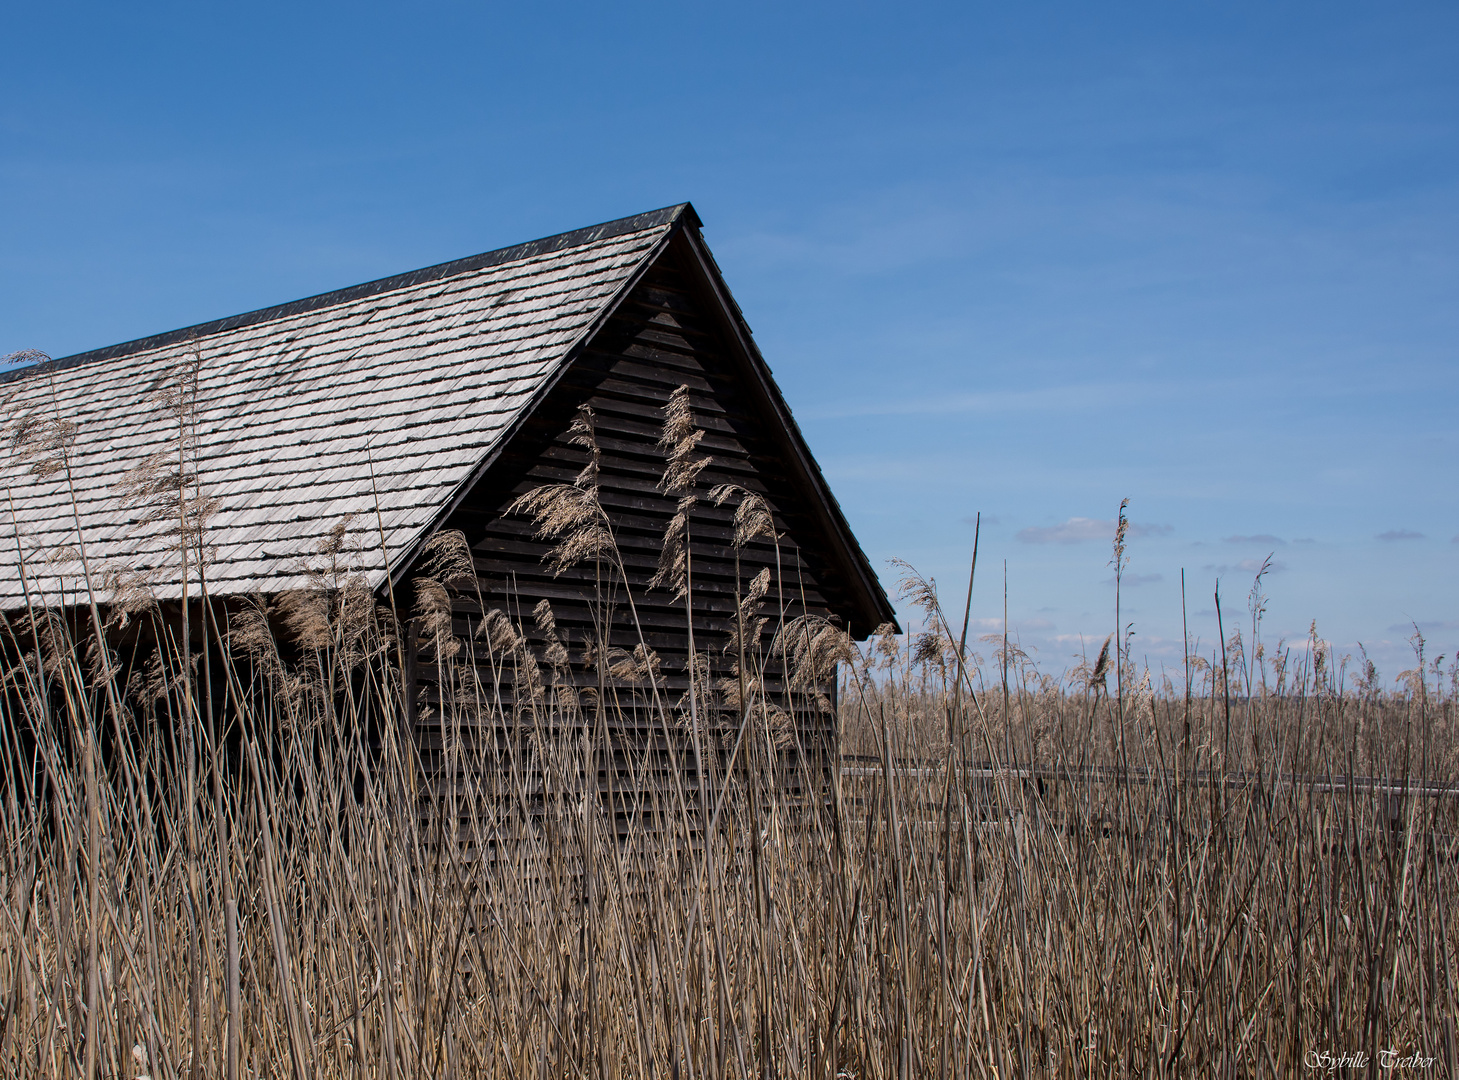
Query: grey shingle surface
pixel 419 377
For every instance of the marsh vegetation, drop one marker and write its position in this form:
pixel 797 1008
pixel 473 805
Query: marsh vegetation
pixel 221 854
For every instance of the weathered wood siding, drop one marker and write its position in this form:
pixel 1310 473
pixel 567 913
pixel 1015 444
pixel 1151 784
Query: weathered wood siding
pixel 666 334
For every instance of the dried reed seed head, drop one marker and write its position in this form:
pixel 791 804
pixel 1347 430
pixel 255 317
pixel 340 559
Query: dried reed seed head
pixel 42 440
pixel 679 439
pixel 164 491
pixel 129 592
pixel 647 660
pixel 306 614
pixel 431 598
pixel 1415 640
pixel 62 553
pixel 1121 529
pixel 886 641
pixel 1101 665
pixel 813 646
pixel 333 542
pixel 678 418
pixel 781 724
pixel 931 648
pixel 583 432
pixel 558 508
pixel 673 571
pixel 545 620
pixel 448 558
pixel 529 674
pixel 574 514
pixel 729 688
pixel 25 356
pixel 157 681
pixel 1413 682
pixel 592 544
pixel 681 471
pixel 621 666
pixel 749 621
pixel 639 666
pixel 497 630
pixel 179 389
pixel 249 632
pixel 100 663
pixel 752 625
pixel 920 592
pixel 753 519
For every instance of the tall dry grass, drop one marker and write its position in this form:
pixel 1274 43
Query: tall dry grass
pixel 225 855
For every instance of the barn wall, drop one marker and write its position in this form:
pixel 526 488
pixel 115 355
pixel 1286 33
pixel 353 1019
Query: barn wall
pixel 664 335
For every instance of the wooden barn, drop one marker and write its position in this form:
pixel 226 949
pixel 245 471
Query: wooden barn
pixel 378 416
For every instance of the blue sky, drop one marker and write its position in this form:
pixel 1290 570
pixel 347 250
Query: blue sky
pixel 1023 259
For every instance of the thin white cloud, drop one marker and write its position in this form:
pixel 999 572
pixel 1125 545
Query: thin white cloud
pixel 1135 580
pixel 1399 534
pixel 1252 566
pixel 1302 642
pixel 1246 566
pixel 1078 529
pixel 1430 625
pixel 1259 538
pixel 1043 400
pixel 1015 625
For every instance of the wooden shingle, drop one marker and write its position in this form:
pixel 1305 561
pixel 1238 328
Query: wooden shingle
pixel 415 379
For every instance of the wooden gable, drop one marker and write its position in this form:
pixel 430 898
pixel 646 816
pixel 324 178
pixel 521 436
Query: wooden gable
pixel 675 327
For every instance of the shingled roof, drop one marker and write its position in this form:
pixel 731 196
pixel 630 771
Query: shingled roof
pixel 389 396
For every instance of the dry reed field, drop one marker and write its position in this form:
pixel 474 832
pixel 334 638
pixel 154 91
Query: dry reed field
pixel 229 860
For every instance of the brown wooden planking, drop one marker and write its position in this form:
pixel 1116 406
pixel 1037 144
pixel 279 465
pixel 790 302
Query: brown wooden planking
pixel 626 375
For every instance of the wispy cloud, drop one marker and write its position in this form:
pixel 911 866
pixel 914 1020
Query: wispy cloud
pixel 1078 529
pixel 1043 400
pixel 1135 580
pixel 1399 534
pixel 1426 627
pixel 1259 538
pixel 1247 566
pixel 1251 566
pixel 1017 624
pixel 1303 642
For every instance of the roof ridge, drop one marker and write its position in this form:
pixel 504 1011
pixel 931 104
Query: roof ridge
pixel 547 244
